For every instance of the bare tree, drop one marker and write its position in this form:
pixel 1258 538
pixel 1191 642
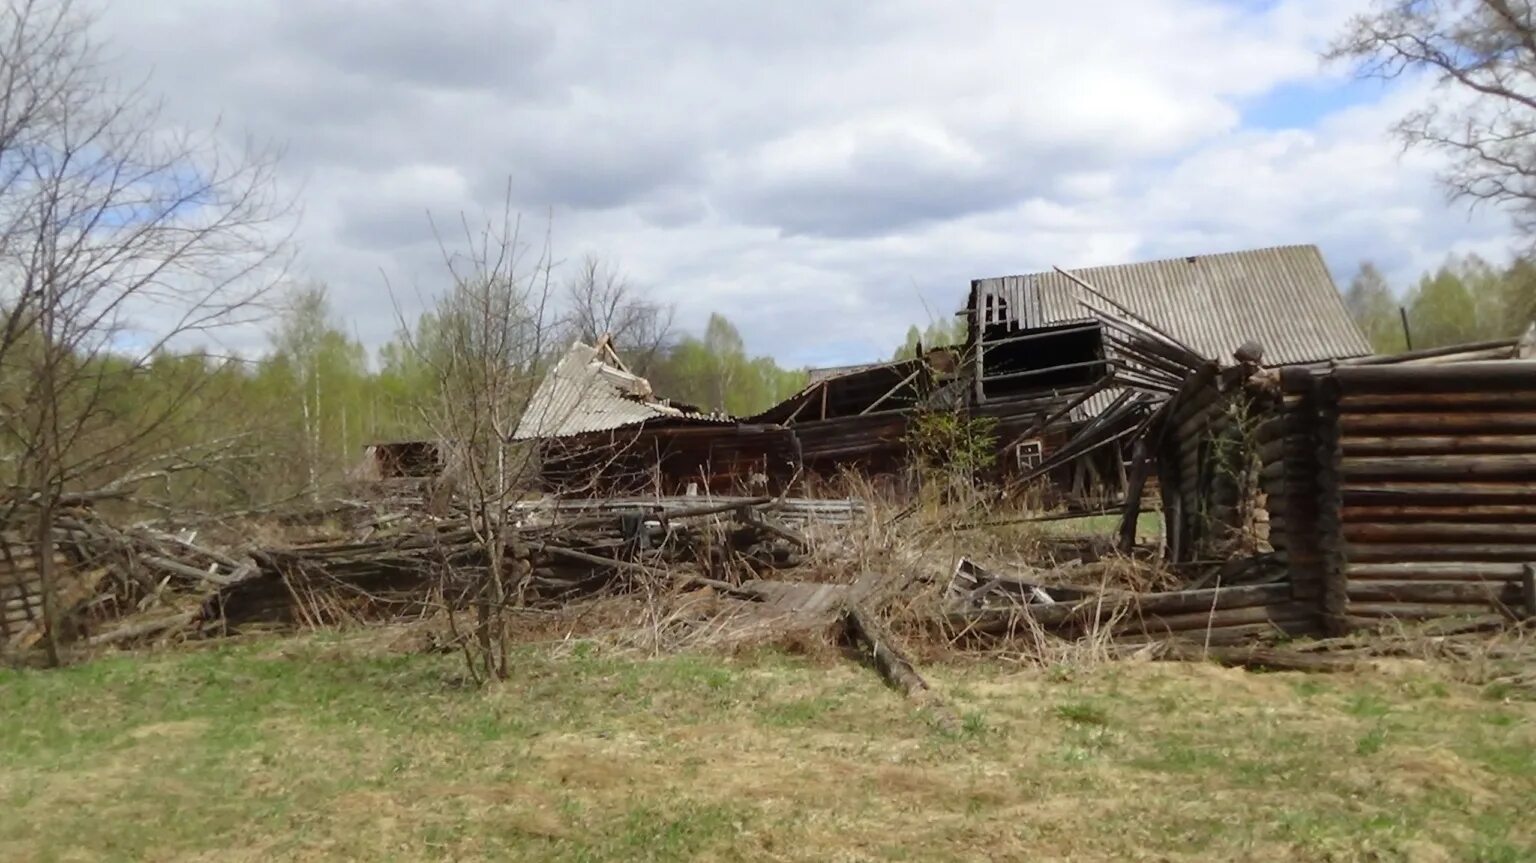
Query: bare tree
pixel 1482 54
pixel 119 238
pixel 485 349
pixel 602 302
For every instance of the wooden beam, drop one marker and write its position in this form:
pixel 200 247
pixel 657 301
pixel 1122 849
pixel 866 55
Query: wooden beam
pixel 892 391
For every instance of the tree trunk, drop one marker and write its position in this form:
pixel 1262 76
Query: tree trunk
pixel 47 579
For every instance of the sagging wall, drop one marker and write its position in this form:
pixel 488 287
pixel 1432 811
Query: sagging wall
pixel 1406 492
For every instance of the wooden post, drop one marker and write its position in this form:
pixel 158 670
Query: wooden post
pixel 1528 589
pixel 1407 335
pixel 1140 463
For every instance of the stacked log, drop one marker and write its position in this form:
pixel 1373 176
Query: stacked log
pixel 1223 615
pixel 1427 489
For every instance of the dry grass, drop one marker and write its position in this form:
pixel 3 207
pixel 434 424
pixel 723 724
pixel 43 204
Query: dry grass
pixel 332 748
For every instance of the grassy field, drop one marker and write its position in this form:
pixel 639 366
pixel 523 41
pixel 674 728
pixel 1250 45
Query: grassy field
pixel 333 749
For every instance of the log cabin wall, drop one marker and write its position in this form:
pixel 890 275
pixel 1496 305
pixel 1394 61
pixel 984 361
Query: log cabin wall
pixel 1425 489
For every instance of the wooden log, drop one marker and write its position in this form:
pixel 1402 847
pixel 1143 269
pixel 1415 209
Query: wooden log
pixel 1487 376
pixel 1125 605
pixel 1217 619
pixel 1433 571
pixel 1446 467
pixel 1414 610
pixel 882 652
pixel 1392 532
pixel 1447 401
pixel 1436 423
pixel 139 629
pixel 1400 492
pixel 1227 635
pixel 1468 444
pixel 1462 552
pixel 1467 513
pixel 1419 591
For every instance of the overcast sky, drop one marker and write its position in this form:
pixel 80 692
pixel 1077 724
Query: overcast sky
pixel 824 173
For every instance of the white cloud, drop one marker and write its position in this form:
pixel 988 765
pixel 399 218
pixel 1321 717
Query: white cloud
pixel 824 173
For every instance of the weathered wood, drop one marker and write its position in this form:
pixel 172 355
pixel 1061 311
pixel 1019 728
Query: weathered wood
pixel 1453 401
pixel 1431 571
pixel 1445 467
pixel 139 629
pixel 1414 610
pixel 879 648
pixel 1396 492
pixel 1437 552
pixel 1169 605
pixel 1391 532
pixel 1436 423
pixel 1469 444
pixel 1496 376
pixel 1492 592
pixel 1464 513
pixel 1141 465
pixel 1332 554
pixel 1216 619
pixel 1528 589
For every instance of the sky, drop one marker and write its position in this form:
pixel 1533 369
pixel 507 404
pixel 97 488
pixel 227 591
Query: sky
pixel 824 173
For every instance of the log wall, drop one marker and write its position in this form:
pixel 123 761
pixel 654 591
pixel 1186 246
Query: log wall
pixel 1405 491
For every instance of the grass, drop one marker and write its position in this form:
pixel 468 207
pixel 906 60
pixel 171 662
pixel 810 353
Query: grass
pixel 323 748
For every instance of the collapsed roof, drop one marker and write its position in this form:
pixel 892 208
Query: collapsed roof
pixel 589 390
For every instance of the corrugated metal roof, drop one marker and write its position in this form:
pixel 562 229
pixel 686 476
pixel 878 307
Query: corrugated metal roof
pixel 1281 297
pixel 584 394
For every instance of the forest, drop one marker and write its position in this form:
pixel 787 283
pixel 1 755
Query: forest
pixel 1467 299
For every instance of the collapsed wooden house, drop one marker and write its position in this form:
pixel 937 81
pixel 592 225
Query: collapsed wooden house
pixel 1071 363
pixel 599 430
pixel 1067 367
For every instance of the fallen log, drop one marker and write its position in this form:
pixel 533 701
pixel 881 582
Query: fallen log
pixel 877 646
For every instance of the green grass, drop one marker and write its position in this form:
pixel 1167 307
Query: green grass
pixel 324 749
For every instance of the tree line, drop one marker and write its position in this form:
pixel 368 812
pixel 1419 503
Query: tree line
pixel 1467 299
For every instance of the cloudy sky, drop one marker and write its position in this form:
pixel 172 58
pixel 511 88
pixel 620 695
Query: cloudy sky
pixel 824 173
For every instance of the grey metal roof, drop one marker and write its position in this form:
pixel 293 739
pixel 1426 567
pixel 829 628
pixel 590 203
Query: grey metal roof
pixel 1281 297
pixel 585 394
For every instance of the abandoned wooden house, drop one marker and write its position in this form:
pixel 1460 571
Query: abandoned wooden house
pixel 600 430
pixel 1054 355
